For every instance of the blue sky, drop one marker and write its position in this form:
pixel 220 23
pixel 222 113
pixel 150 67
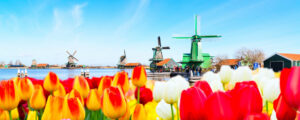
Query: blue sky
pixel 100 29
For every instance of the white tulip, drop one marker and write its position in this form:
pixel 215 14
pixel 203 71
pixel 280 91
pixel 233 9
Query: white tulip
pixel 263 75
pixel 158 90
pixel 173 89
pixel 213 80
pixel 225 74
pixel 163 110
pixel 242 73
pixel 271 89
pixel 273 115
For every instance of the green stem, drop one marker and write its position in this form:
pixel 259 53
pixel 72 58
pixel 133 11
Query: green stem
pixel 37 115
pixel 138 95
pixel 172 111
pixel 267 107
pixel 177 112
pixel 10 117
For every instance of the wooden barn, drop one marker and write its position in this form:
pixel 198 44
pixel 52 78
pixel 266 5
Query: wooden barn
pixel 279 61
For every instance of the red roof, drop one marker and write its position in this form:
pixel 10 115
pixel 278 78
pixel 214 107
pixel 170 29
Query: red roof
pixel 132 64
pixel 230 61
pixel 42 65
pixel 294 57
pixel 165 61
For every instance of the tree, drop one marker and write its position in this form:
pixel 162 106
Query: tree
pixel 249 56
pixel 217 61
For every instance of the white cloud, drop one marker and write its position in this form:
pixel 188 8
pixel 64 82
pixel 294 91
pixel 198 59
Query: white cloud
pixel 77 13
pixel 57 20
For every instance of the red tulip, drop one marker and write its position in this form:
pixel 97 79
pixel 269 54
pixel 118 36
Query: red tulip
pixel 218 106
pixel 9 97
pixel 145 95
pixel 139 76
pixel 257 116
pixel 51 82
pixel 204 86
pixel 283 111
pixel 290 87
pixel 192 104
pixel 247 98
pixel 104 83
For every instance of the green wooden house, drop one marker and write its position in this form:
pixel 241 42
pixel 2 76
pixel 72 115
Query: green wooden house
pixel 279 61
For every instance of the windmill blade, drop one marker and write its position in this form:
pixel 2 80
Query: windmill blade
pixel 69 53
pixel 124 53
pixel 210 36
pixel 182 37
pixel 196 24
pixel 167 47
pixel 159 42
pixel 153 48
pixel 74 53
pixel 75 58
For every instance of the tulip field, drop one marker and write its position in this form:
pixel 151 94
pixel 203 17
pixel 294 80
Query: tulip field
pixel 241 94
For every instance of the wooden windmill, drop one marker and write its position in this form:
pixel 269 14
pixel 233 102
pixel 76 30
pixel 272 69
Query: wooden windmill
pixel 71 59
pixel 123 61
pixel 157 54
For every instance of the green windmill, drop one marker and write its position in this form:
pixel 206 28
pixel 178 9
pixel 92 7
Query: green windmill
pixel 157 55
pixel 196 58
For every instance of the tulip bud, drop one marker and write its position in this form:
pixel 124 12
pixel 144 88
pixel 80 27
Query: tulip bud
pixel 219 106
pixel 51 82
pixel 204 86
pixel 15 114
pixel 54 108
pixel 283 110
pixel 104 83
pixel 214 81
pixel 290 87
pixel 158 91
pixel 145 95
pixel 163 110
pixel 4 115
pixel 25 88
pixel 73 109
pixel 93 100
pixel 9 97
pixel 37 100
pixel 139 76
pixel 192 104
pixel 243 73
pixel 32 115
pixel 121 79
pixel 139 113
pixel 126 116
pixel 225 74
pixel 175 86
pixel 271 90
pixel 81 85
pixel 60 91
pixel 114 105
pixel 75 94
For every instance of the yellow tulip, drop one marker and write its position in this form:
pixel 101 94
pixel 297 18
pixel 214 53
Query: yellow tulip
pixel 139 76
pixel 82 86
pixel 51 82
pixel 104 83
pixel 127 114
pixel 54 108
pixel 93 101
pixel 9 97
pixel 37 100
pixel 73 109
pixel 60 91
pixel 114 105
pixel 15 114
pixel 139 113
pixel 25 88
pixel 4 115
pixel 32 115
pixel 121 79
